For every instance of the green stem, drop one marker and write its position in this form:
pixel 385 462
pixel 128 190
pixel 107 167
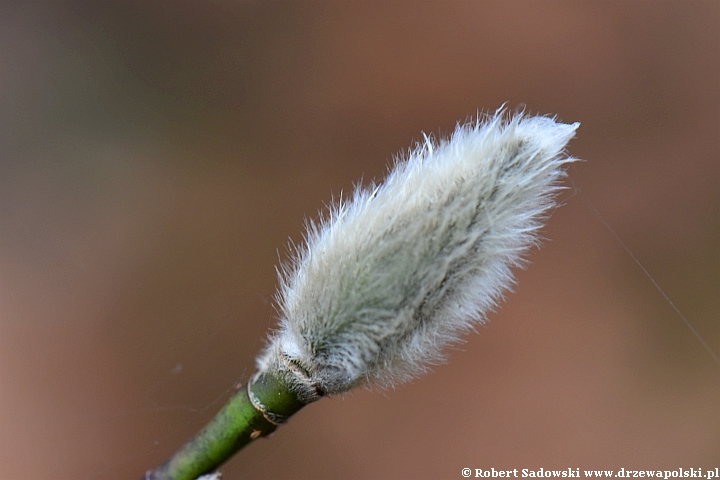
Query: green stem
pixel 242 420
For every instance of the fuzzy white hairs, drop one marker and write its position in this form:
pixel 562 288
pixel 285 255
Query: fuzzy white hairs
pixel 401 269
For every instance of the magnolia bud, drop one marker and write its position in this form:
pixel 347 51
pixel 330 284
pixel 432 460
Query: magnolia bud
pixel 390 276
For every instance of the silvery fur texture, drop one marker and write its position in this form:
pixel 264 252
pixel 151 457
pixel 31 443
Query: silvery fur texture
pixel 393 274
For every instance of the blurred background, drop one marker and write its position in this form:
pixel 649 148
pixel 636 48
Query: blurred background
pixel 156 158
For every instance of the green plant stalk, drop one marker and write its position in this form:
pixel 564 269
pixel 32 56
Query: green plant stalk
pixel 256 410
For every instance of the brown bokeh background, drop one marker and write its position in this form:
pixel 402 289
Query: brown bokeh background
pixel 156 157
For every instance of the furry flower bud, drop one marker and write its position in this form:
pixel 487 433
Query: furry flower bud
pixel 390 276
